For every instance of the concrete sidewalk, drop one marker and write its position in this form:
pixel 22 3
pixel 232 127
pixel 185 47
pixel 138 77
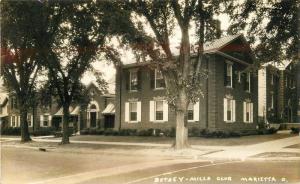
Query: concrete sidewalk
pixel 243 152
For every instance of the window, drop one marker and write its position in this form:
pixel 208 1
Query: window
pixel 190 112
pixel 248 112
pixel 159 80
pixel 228 75
pixel 29 120
pixel 45 120
pixel 229 110
pixel 159 110
pixel 248 82
pixel 13 121
pixel 133 111
pixel 133 80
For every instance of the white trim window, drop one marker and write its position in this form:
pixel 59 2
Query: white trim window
pixel 159 80
pixel 133 80
pixel 229 110
pixel 193 112
pixel 30 120
pixel 45 120
pixel 248 112
pixel 228 75
pixel 159 111
pixel 133 112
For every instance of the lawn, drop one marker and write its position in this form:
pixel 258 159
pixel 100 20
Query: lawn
pixel 245 140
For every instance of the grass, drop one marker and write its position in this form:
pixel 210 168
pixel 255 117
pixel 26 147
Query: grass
pixel 245 140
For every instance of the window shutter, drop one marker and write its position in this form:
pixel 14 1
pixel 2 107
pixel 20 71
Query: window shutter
pixel 31 120
pixel 166 110
pixel 151 113
pixel 19 121
pixel 225 109
pixel 152 79
pixel 41 120
pixel 126 112
pixel 225 74
pixel 233 111
pixel 251 112
pixel 11 121
pixel 244 110
pixel 50 120
pixel 196 111
pixel 139 118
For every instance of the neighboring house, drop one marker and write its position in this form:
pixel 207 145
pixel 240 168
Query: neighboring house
pixel 229 102
pixel 278 101
pixel 268 85
pixel 3 110
pixel 99 113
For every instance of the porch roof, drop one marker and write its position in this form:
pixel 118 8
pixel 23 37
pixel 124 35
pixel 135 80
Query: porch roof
pixel 76 111
pixel 110 109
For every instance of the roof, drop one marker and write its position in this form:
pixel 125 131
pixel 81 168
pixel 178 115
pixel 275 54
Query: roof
pixel 281 66
pixel 76 111
pixel 219 43
pixel 3 98
pixel 110 109
pixel 210 47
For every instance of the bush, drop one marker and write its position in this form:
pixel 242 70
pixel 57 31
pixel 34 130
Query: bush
pixel 170 132
pixel 194 132
pixel 295 130
pixel 43 131
pixel 110 131
pixel 127 132
pixel 11 131
pixel 148 132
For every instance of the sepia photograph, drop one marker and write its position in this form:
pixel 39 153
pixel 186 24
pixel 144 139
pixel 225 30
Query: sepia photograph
pixel 150 92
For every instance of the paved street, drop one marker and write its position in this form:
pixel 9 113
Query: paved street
pixel 106 162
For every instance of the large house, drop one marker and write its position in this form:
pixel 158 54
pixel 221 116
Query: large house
pixel 98 113
pixel 229 103
pixel 278 101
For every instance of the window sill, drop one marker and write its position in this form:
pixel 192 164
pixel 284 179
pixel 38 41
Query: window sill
pixel 192 121
pixel 158 89
pixel 229 121
pixel 132 121
pixel 159 121
pixel 133 91
pixel 229 87
pixel 248 122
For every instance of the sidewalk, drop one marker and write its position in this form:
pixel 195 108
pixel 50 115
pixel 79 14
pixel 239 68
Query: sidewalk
pixel 243 152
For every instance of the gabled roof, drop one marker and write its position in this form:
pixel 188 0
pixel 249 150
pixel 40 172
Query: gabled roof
pixel 218 44
pixel 214 46
pixel 280 66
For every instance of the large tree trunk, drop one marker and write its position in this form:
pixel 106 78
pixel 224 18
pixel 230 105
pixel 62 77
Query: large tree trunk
pixel 181 141
pixel 65 127
pixel 25 136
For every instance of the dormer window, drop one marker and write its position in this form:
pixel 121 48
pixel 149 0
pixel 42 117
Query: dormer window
pixel 159 80
pixel 133 80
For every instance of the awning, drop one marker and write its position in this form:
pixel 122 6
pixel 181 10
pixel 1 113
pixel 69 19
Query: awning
pixel 76 111
pixel 110 109
pixel 3 115
pixel 60 112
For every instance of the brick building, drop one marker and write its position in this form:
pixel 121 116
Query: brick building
pixel 229 102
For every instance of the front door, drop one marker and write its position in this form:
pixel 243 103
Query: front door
pixel 93 119
pixel 109 121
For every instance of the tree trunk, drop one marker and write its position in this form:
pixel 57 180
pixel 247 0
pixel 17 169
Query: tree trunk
pixel 25 137
pixel 65 127
pixel 181 141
